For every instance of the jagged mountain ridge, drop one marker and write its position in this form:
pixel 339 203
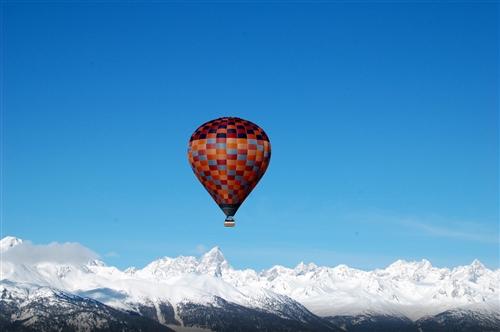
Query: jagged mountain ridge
pixel 39 308
pixel 168 287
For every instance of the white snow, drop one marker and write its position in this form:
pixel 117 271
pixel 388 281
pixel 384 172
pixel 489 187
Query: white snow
pixel 411 289
pixel 9 242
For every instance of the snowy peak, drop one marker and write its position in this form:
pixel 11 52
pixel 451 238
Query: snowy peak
pixel 410 270
pixel 9 242
pixel 302 268
pixel 477 265
pixel 402 265
pixel 213 255
pixel 213 263
pixel 167 267
pixel 473 272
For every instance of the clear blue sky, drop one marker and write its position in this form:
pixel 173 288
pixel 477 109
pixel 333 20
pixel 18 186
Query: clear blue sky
pixel 383 120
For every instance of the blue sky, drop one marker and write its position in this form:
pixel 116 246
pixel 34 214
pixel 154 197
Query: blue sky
pixel 383 120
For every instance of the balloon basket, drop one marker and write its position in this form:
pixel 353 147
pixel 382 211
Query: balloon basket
pixel 229 222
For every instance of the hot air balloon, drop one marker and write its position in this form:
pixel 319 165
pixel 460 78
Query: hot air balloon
pixel 229 156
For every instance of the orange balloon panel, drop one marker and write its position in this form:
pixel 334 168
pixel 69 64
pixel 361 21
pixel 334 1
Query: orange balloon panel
pixel 229 156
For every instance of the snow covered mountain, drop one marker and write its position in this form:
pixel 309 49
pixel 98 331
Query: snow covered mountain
pixel 184 293
pixel 9 242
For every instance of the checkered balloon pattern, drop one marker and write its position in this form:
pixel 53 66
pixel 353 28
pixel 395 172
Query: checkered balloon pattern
pixel 229 156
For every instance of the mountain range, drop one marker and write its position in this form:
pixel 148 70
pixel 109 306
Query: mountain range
pixel 205 293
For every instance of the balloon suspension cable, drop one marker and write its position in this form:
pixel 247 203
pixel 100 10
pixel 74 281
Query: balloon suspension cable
pixel 229 222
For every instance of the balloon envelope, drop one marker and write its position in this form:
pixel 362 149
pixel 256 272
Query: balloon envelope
pixel 229 156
